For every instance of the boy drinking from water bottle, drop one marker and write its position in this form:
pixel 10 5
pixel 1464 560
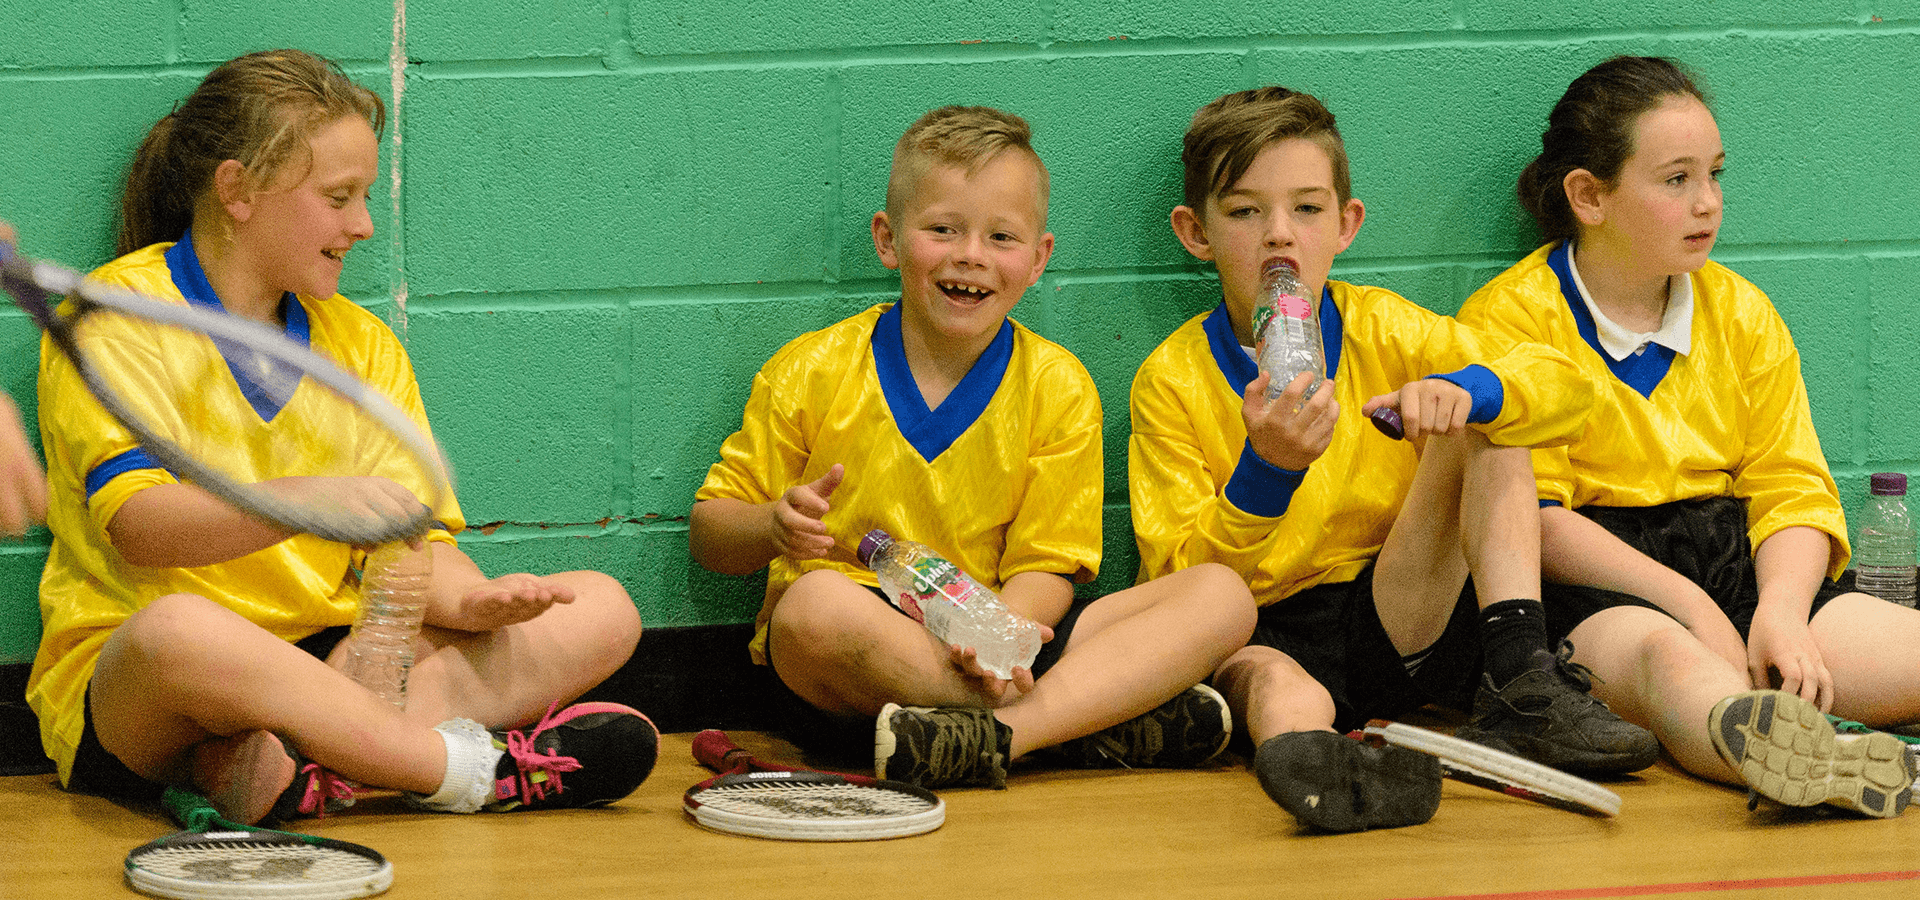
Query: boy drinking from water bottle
pixel 1369 556
pixel 940 420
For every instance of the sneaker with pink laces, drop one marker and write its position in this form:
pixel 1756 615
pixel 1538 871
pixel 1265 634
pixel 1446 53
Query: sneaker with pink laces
pixel 589 754
pixel 315 791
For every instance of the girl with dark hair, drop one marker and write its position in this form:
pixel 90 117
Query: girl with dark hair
pixel 1698 491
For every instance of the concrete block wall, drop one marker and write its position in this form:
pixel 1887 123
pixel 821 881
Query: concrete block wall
pixel 605 214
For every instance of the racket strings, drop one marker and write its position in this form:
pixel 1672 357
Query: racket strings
pixel 812 801
pixel 256 861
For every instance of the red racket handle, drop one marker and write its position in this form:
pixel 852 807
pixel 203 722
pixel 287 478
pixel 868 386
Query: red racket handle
pixel 713 749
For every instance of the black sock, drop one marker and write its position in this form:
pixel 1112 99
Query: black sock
pixel 1511 631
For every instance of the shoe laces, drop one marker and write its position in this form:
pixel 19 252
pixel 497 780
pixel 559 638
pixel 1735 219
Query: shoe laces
pixel 532 764
pixel 325 791
pixel 1581 676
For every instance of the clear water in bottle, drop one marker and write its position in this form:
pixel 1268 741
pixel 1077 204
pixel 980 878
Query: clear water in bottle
pixel 393 600
pixel 956 608
pixel 1883 555
pixel 1289 322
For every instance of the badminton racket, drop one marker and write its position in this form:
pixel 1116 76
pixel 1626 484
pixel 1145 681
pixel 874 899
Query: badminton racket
pixel 1495 770
pixel 216 858
pixel 202 393
pixel 768 800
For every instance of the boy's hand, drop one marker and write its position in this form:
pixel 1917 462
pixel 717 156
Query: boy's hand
pixel 993 691
pixel 1428 406
pixel 798 531
pixel 508 600
pixel 1287 432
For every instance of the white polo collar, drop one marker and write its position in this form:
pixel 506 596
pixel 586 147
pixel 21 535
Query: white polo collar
pixel 1676 326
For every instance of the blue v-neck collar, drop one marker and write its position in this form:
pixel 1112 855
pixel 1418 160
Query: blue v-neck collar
pixel 1239 369
pixel 931 431
pixel 191 280
pixel 1642 371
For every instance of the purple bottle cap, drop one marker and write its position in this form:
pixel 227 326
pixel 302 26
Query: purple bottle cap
pixel 875 541
pixel 1888 484
pixel 1387 419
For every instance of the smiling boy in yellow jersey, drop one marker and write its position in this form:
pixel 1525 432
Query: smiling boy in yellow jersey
pixel 1367 555
pixel 942 421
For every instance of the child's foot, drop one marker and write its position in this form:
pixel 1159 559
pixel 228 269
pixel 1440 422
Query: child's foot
pixel 589 754
pixel 1335 783
pixel 1786 750
pixel 243 776
pixel 1546 714
pixel 255 778
pixel 1183 732
pixel 948 747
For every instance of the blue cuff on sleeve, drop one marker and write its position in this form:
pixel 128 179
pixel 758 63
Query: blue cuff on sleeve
pixel 1489 395
pixel 1554 503
pixel 1260 487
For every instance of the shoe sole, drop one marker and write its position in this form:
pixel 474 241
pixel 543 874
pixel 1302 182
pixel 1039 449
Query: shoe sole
pixel 1787 751
pixel 1340 785
pixel 1226 722
pixel 884 740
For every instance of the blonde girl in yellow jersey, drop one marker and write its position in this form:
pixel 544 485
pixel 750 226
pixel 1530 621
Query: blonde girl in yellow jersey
pixel 187 643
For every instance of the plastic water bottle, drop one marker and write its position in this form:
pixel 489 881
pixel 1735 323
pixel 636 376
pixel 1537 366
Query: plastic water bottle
pixel 393 598
pixel 1289 322
pixel 956 608
pixel 1884 553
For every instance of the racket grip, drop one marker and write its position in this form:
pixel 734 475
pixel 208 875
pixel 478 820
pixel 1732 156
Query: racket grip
pixel 191 810
pixel 711 747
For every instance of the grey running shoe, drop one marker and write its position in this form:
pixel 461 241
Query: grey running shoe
pixel 1182 733
pixel 947 747
pixel 1335 783
pixel 1786 750
pixel 1546 715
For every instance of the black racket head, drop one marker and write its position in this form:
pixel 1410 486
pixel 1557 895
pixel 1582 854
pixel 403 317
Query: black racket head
pixel 250 863
pixel 813 806
pixel 229 404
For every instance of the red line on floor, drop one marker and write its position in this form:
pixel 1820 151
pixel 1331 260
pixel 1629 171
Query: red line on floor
pixel 1694 887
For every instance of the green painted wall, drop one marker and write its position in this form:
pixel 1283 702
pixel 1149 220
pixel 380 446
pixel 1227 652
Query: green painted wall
pixel 609 213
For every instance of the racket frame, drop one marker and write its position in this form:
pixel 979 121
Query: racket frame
pixel 1496 770
pixel 741 770
pixel 38 288
pixel 206 829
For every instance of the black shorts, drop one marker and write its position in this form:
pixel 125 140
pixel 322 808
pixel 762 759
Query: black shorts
pixel 840 737
pixel 1334 632
pixel 1704 540
pixel 96 771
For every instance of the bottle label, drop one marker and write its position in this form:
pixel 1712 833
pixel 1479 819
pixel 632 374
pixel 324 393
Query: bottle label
pixel 1285 304
pixel 934 579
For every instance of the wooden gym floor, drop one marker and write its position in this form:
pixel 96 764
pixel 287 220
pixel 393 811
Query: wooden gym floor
pixel 1171 834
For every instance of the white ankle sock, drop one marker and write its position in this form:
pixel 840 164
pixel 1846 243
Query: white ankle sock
pixel 472 760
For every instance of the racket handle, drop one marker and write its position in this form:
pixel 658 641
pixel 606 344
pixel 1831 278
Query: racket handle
pixel 712 747
pixel 192 811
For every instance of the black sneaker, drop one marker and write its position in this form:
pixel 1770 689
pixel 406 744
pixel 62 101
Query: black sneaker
pixel 589 754
pixel 1182 733
pixel 1546 715
pixel 1336 783
pixel 955 746
pixel 1787 750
